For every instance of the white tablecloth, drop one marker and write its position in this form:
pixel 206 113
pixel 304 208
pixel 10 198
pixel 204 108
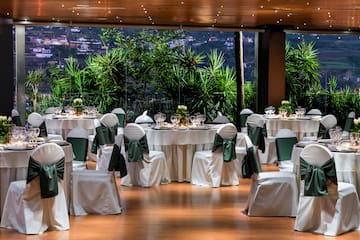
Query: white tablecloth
pixel 347 166
pixel 13 167
pixel 63 125
pixel 179 147
pixel 302 127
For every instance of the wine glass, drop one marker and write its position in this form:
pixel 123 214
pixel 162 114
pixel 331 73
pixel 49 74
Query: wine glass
pixel 201 118
pixel 174 120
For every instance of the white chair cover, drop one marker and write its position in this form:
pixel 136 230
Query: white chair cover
pixel 94 192
pixel 285 165
pixel 152 171
pixel 349 122
pixel 105 151
pixel 117 112
pixel 25 210
pixel 244 114
pixel 269 155
pixel 78 133
pixel 209 168
pixel 332 214
pixel 35 120
pixel 272 193
pixel 328 121
pixel 144 118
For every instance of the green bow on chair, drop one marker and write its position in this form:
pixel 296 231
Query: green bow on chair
pixel 48 174
pixel 249 164
pixel 104 135
pixel 257 136
pixel 121 119
pixel 43 131
pixel 228 146
pixel 324 132
pixel 315 177
pixel 136 148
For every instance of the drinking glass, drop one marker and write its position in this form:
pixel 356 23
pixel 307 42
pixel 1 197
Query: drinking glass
pixel 174 120
pixel 201 118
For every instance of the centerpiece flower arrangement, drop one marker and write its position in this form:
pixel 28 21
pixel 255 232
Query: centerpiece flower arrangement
pixel 182 114
pixel 286 106
pixel 78 106
pixel 5 129
pixel 356 126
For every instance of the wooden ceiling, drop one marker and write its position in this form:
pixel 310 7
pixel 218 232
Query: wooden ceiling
pixel 310 15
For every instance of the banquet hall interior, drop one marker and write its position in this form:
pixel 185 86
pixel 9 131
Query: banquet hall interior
pixel 177 209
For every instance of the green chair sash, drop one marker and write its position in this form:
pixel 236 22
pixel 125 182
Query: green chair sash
pixel 324 132
pixel 228 147
pixel 121 119
pixel 136 149
pixel 243 118
pixel 43 131
pixel 315 177
pixel 284 147
pixel 48 174
pixel 16 120
pixel 117 162
pixel 249 164
pixel 349 124
pixel 257 136
pixel 104 135
pixel 80 147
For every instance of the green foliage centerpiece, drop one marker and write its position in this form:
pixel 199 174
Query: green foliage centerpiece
pixel 78 106
pixel 5 129
pixel 182 114
pixel 285 109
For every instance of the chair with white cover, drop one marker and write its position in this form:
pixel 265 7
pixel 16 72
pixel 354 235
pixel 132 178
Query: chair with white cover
pixel 216 167
pixel 79 139
pixel 96 192
pixel 104 140
pixel 349 123
pixel 220 119
pixel 144 119
pixel 314 112
pixel 244 114
pixel 15 117
pixel 327 122
pixel 36 120
pixel 145 168
pixel 272 193
pixel 256 129
pixel 38 204
pixel 120 113
pixel 285 140
pixel 326 206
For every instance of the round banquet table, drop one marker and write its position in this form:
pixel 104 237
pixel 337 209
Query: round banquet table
pixel 179 147
pixel 301 127
pixel 347 166
pixel 13 167
pixel 62 125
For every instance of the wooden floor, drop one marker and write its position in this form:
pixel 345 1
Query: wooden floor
pixel 179 211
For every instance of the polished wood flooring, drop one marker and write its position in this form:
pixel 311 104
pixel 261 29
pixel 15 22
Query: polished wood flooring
pixel 179 211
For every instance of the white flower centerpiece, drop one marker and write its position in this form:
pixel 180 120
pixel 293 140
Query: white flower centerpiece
pixel 182 114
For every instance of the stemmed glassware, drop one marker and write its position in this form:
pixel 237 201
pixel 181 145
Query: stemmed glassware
pixel 174 120
pixel 201 118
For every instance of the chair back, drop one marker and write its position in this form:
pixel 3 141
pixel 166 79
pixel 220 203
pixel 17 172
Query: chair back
pixel 256 120
pixel 327 122
pixel 256 130
pixel 227 131
pixel 109 120
pixel 136 145
pixel 244 114
pixel 250 164
pixel 144 118
pixel 316 154
pixel 349 122
pixel 285 140
pixel 120 113
pixel 79 139
pixel 36 120
pixel 134 131
pixel 15 116
pixel 48 153
pixel 314 112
